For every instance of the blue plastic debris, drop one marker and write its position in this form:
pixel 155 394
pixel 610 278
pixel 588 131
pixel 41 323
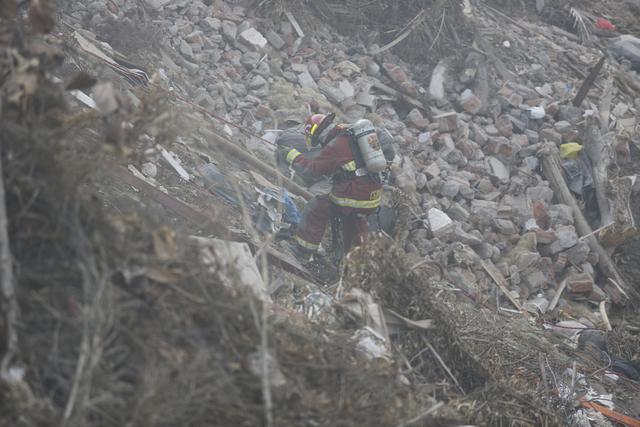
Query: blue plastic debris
pixel 291 215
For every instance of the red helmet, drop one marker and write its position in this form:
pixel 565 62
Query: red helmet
pixel 315 125
pixel 312 123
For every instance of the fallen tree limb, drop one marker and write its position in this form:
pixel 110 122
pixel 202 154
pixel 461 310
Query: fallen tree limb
pixel 97 320
pixel 9 298
pixel 552 171
pixel 613 195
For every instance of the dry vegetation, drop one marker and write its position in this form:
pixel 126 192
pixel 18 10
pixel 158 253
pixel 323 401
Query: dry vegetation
pixel 119 324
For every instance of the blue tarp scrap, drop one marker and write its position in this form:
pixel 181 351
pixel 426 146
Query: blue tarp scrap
pixel 291 215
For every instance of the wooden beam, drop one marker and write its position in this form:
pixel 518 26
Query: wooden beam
pixel 552 170
pixel 294 23
pixel 588 82
pixel 598 152
pixel 245 155
pixel 557 296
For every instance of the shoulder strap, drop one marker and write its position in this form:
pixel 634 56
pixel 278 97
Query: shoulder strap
pixel 355 150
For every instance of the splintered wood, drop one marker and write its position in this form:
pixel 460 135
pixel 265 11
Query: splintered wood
pixel 497 277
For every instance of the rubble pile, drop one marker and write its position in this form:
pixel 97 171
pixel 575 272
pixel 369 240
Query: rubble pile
pixel 469 156
pixel 512 156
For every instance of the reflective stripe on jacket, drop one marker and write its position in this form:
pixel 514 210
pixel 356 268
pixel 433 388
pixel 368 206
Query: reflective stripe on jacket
pixel 360 192
pixel 353 203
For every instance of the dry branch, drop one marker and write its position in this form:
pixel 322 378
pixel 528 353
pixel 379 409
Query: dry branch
pixel 421 415
pixel 497 277
pixel 557 296
pixel 444 366
pixel 95 323
pixel 403 34
pixel 10 301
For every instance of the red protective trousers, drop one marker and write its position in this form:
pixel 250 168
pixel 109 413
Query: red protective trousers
pixel 316 217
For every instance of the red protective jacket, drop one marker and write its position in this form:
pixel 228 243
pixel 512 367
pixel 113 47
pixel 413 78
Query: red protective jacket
pixel 360 192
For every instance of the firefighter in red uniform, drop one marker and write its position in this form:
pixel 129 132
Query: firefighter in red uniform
pixel 353 197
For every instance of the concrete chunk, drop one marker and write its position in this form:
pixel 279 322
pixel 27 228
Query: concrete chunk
pixel 229 30
pixel 417 120
pixel 211 24
pixel 579 283
pixel 440 223
pixel 438 77
pixel 470 102
pixel 498 169
pixel 447 122
pixel 346 89
pixel 157 4
pixel 253 38
pixel 366 100
pixel 235 261
pixel 274 38
pixel 306 80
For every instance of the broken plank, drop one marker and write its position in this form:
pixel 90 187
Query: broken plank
pixel 391 91
pixel 552 171
pixel 497 277
pixel 604 315
pixel 557 296
pixel 588 82
pixel 611 414
pixel 294 23
pixel 170 158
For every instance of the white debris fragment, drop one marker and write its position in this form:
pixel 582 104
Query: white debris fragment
pixel 254 38
pixel 175 163
pixel 371 344
pixel 440 223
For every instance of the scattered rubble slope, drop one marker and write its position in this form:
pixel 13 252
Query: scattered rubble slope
pixel 140 288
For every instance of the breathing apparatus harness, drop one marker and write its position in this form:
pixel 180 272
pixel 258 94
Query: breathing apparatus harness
pixel 361 136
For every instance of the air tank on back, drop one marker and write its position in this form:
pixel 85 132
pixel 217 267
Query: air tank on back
pixel 370 149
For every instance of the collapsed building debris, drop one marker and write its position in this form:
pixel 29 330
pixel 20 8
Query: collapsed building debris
pixel 488 302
